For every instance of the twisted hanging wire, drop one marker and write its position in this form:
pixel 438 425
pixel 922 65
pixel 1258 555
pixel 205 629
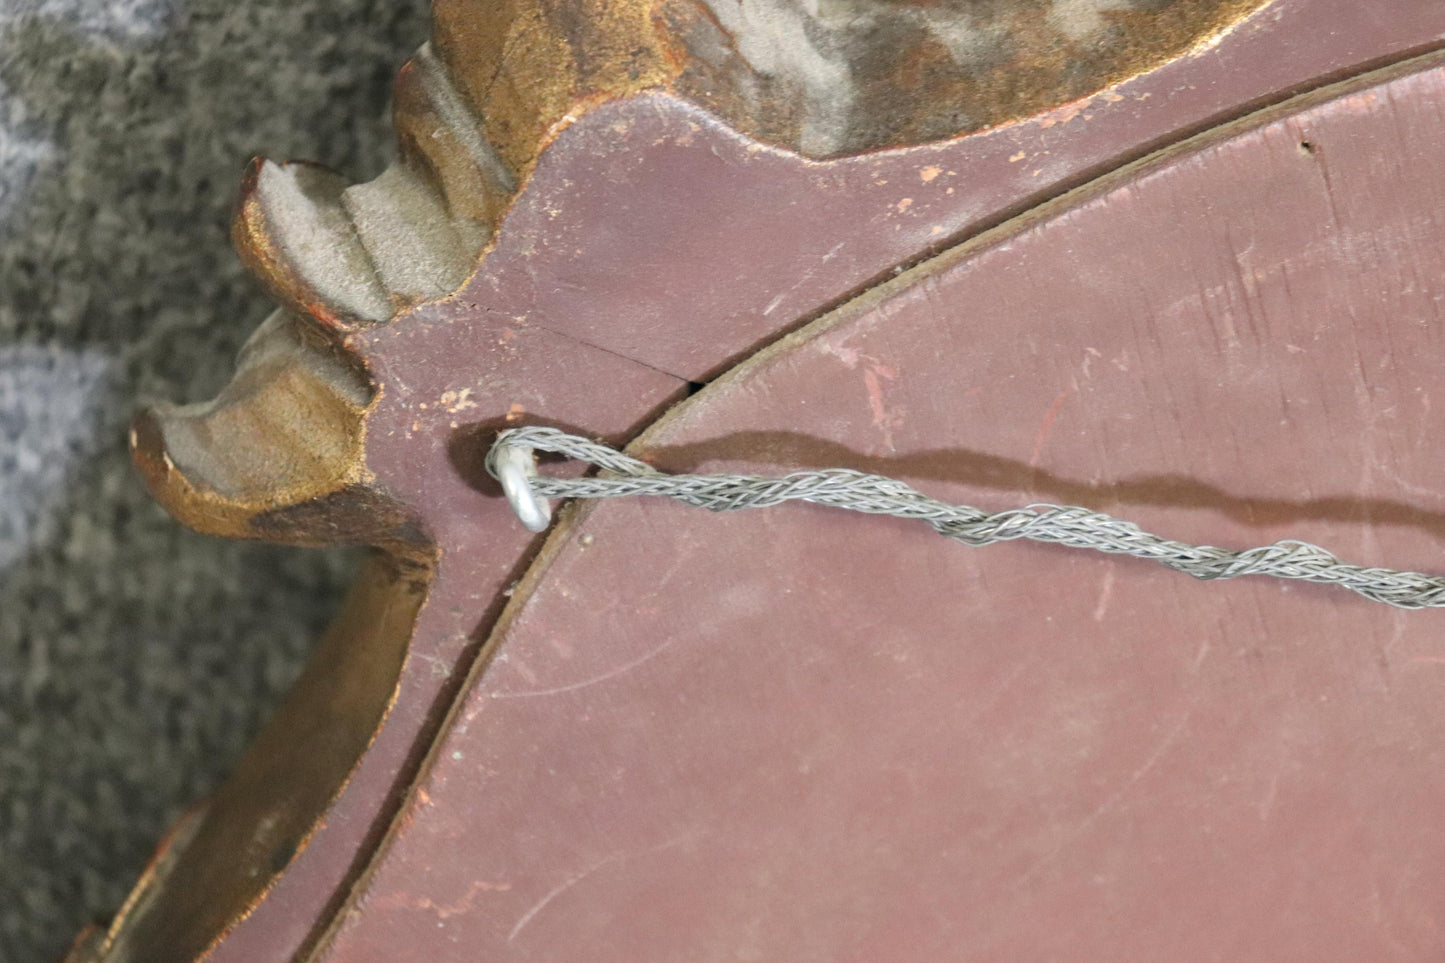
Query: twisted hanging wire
pixel 880 495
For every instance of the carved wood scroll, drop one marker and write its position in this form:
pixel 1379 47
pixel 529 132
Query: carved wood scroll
pixel 1190 267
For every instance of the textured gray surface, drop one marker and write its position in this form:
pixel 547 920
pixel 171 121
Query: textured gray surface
pixel 137 659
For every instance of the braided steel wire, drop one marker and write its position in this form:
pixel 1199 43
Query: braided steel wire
pixel 880 495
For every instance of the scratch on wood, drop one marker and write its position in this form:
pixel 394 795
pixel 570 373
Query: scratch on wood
pixel 803 279
pixel 1106 592
pixel 609 674
pixel 578 877
pixel 885 419
pixel 1047 425
pixel 464 904
pixel 1165 744
pixel 1266 805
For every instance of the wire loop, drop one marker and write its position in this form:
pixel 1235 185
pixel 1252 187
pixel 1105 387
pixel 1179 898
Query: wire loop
pixel 511 461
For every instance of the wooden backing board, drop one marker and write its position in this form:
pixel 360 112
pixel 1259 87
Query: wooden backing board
pixel 797 734
pixel 682 248
pixel 651 247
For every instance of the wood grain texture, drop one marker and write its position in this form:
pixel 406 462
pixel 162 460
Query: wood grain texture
pixel 795 734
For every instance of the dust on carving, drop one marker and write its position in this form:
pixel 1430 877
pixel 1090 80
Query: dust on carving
pixel 836 77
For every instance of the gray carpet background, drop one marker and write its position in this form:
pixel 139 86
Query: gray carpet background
pixel 137 658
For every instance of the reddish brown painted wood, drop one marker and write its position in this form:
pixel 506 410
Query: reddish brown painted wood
pixel 704 246
pixel 719 290
pixel 595 306
pixel 796 734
